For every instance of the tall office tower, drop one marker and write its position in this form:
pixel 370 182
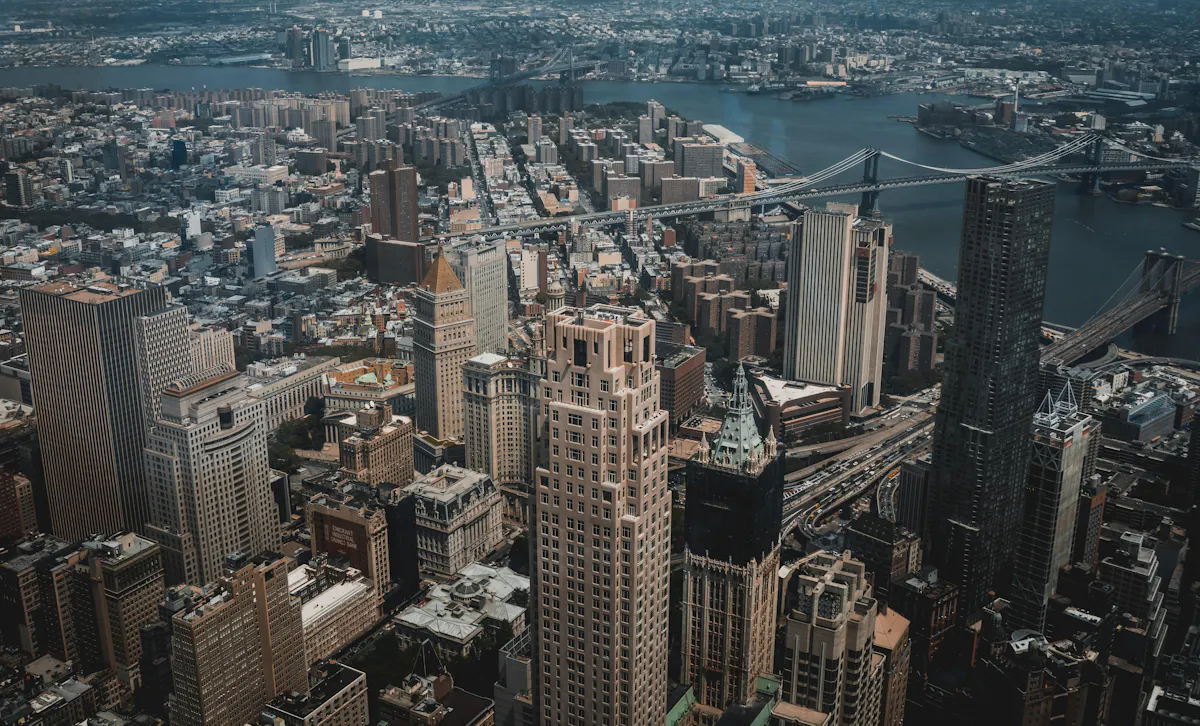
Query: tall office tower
pixel 533 129
pixel 238 646
pixel 501 401
pixel 210 347
pixel 84 379
pixel 295 46
pixel 262 250
pixel 731 559
pixel 322 52
pixel 163 348
pixel 1064 439
pixel 18 188
pixel 324 130
pixel 443 340
pixel 837 307
pixel 482 267
pixel 208 476
pixel 828 636
pixel 602 548
pixel 125 576
pixel 394 193
pixel 657 112
pixel 990 391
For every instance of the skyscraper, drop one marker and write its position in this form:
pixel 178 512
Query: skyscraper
pixel 603 518
pixel 981 443
pixel 731 558
pixel 837 306
pixel 482 267
pixel 84 379
pixel 1063 440
pixel 443 340
pixel 322 51
pixel 163 346
pixel 208 475
pixel 238 646
pixel 501 402
pixel 262 250
pixel 394 193
pixel 829 631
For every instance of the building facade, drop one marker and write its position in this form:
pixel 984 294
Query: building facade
pixel 352 528
pixel 501 402
pixel 443 340
pixel 237 645
pixel 482 268
pixel 837 304
pixel 981 443
pixel 1064 439
pixel 603 514
pixel 338 698
pixel 375 446
pixel 206 461
pixel 731 560
pixel 827 662
pixel 83 366
pixel 458 518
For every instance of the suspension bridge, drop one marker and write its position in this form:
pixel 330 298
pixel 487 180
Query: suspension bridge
pixel 1063 160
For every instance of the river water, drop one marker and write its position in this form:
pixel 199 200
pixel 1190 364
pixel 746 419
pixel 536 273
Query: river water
pixel 1096 244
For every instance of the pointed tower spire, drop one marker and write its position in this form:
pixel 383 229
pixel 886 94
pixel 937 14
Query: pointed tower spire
pixel 1047 407
pixel 738 444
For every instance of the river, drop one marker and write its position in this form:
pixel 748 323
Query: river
pixel 1096 244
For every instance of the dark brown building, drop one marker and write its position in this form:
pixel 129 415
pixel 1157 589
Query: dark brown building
pixel 394 262
pixel 931 605
pixel 681 372
pixel 890 552
pixel 394 193
pixel 750 332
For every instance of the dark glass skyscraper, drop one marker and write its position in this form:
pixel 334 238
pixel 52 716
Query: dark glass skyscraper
pixel 981 442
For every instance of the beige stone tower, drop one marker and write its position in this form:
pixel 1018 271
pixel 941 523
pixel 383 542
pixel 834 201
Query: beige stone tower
pixel 443 340
pixel 601 524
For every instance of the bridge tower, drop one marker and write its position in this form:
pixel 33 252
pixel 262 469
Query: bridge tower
pixel 1090 183
pixel 870 198
pixel 1162 273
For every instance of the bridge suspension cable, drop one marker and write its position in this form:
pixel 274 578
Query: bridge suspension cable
pixel 1064 150
pixel 827 173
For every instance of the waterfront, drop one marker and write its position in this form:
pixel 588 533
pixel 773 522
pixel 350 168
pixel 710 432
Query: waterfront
pixel 1096 242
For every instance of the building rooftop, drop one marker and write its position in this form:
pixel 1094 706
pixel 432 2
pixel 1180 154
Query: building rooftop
pixel 336 678
pixel 890 629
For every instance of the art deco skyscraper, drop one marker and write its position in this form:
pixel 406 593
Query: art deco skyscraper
pixel 209 476
pixel 829 631
pixel 1064 439
pixel 482 267
pixel 85 381
pixel 731 559
pixel 443 340
pixel 981 443
pixel 837 302
pixel 501 401
pixel 602 524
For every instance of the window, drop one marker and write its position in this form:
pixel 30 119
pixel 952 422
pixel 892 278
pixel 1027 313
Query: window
pixel 604 386
pixel 574 419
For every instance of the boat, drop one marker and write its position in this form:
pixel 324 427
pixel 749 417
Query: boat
pixel 1193 225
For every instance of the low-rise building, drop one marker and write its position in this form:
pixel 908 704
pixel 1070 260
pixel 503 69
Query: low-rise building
pixel 381 381
pixel 285 385
pixel 338 606
pixel 482 600
pixel 337 698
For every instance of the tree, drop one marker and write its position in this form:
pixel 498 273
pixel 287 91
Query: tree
pixel 283 457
